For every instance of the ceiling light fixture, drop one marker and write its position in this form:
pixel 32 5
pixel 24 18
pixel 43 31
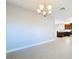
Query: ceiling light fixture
pixel 44 9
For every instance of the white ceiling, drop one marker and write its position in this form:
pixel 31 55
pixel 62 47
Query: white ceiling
pixel 61 15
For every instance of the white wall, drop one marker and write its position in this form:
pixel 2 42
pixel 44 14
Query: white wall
pixel 25 27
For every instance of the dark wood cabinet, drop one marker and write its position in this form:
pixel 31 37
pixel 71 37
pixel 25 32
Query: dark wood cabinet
pixel 68 26
pixel 60 34
pixel 63 34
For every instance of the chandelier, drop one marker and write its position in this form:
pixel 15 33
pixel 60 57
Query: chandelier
pixel 44 9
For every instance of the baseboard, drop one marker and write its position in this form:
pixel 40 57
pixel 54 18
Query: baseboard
pixel 28 46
